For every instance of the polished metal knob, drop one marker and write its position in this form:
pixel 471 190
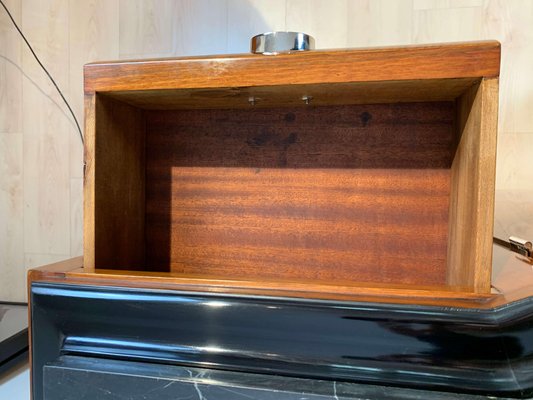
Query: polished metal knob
pixel 281 42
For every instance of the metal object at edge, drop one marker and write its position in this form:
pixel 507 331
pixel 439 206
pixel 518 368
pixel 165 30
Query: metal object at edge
pixel 517 245
pixel 521 246
pixel 272 43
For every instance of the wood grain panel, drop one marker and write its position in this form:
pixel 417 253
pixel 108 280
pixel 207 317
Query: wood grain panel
pixel 402 135
pixel 94 34
pixel 252 17
pixel 145 28
pixel 434 25
pixel 464 60
pixel 89 182
pixel 430 4
pixel 46 152
pixel 350 193
pixel 117 167
pixel 379 22
pixel 315 18
pixel 472 190
pixel 188 15
pixel 511 22
pixel 512 279
pixel 76 216
pixel 12 218
pixel 439 295
pixel 10 68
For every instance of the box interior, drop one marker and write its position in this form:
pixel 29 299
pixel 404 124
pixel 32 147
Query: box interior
pixel 350 193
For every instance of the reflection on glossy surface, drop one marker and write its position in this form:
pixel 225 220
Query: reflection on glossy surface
pixel 488 351
pixel 13 336
pixel 13 319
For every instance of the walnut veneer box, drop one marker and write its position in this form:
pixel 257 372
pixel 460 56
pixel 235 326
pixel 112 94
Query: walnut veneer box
pixel 253 219
pixel 315 174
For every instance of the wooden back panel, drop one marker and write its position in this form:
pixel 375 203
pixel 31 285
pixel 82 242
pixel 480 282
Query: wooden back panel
pixel 338 193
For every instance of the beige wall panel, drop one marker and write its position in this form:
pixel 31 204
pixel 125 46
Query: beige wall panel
pixel 199 27
pixel 511 22
pixel 465 3
pixel 249 18
pixel 10 71
pixel 435 4
pixel 37 260
pixel 12 275
pixel 94 35
pixel 379 23
pixel 76 217
pixel 326 21
pixel 47 129
pixel 514 169
pixel 430 4
pixel 512 210
pixel 447 25
pixel 145 28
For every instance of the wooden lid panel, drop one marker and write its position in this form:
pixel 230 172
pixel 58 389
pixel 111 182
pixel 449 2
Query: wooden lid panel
pixel 440 61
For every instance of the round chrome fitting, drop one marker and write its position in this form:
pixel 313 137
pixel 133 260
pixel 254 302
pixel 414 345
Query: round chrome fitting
pixel 281 42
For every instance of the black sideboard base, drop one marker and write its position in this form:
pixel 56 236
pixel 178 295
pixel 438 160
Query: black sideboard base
pixel 14 349
pixel 484 352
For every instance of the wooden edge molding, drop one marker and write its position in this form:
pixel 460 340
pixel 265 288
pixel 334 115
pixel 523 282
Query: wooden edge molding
pixel 513 281
pixel 72 272
pixel 439 61
pixel 55 271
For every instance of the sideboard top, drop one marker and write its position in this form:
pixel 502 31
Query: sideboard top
pixel 398 63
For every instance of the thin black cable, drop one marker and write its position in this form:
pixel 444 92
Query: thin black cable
pixel 13 303
pixel 44 69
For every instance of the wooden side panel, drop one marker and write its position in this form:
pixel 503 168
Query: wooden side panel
pixel 89 183
pixel 336 194
pixel 115 183
pixel 472 188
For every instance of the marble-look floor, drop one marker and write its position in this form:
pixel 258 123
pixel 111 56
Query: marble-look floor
pixel 78 378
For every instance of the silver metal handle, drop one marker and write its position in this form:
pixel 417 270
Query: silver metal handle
pixel 272 43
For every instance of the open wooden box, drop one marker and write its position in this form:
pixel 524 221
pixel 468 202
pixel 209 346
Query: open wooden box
pixel 216 169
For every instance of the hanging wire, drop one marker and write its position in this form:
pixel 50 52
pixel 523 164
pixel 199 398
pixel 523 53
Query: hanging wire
pixel 44 69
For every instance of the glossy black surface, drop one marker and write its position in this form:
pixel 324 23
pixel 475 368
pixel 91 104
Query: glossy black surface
pixel 13 335
pixel 75 378
pixel 461 350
